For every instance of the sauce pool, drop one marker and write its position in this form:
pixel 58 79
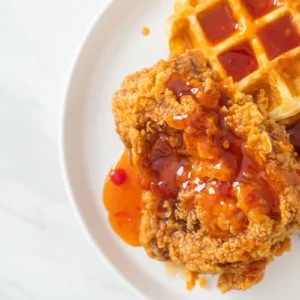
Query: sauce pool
pixel 279 37
pixel 260 8
pixel 218 23
pixel 239 61
pixel 122 196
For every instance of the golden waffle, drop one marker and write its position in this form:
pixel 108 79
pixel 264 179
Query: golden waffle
pixel 254 41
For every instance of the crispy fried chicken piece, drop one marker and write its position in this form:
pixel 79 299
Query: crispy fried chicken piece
pixel 220 179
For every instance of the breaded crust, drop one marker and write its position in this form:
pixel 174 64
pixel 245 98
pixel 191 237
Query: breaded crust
pixel 230 238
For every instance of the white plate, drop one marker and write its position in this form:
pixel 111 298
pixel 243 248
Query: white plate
pixel 89 146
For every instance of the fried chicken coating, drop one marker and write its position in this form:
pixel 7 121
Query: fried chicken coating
pixel 221 188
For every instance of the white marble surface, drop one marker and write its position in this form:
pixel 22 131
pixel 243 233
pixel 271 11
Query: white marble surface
pixel 43 253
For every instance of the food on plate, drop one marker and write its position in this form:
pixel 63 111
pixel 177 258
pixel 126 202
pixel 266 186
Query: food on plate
pixel 255 42
pixel 220 179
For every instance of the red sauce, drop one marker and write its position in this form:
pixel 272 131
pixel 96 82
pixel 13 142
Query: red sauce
pixel 226 175
pixel 279 37
pixel 161 165
pixel 239 61
pixel 203 282
pixel 123 200
pixel 180 87
pixel 259 8
pixel 235 176
pixel 118 176
pixel 218 23
pixel 231 187
pixel 225 181
pixel 294 133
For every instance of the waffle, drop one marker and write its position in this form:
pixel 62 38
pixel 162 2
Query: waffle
pixel 254 41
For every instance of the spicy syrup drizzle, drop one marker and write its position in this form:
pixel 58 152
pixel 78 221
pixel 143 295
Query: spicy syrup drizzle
pixel 227 181
pixel 123 200
pixel 260 8
pixel 218 23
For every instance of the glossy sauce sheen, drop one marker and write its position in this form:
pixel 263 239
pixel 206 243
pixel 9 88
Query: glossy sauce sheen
pixel 218 23
pixel 203 282
pixel 180 87
pixel 123 200
pixel 244 177
pixel 259 8
pixel 239 62
pixel 161 168
pixel 168 171
pixel 279 37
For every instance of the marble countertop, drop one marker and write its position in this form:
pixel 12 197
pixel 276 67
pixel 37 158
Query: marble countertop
pixel 44 254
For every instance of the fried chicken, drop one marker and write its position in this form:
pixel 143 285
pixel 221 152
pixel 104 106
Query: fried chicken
pixel 220 179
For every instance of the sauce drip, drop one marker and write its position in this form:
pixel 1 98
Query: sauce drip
pixel 145 31
pixel 259 8
pixel 294 133
pixel 180 87
pixel 218 23
pixel 240 61
pixel 232 187
pixel 123 200
pixel 225 181
pixel 164 170
pixel 279 37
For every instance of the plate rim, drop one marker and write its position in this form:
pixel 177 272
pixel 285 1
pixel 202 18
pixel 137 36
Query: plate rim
pixel 62 150
pixel 62 153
